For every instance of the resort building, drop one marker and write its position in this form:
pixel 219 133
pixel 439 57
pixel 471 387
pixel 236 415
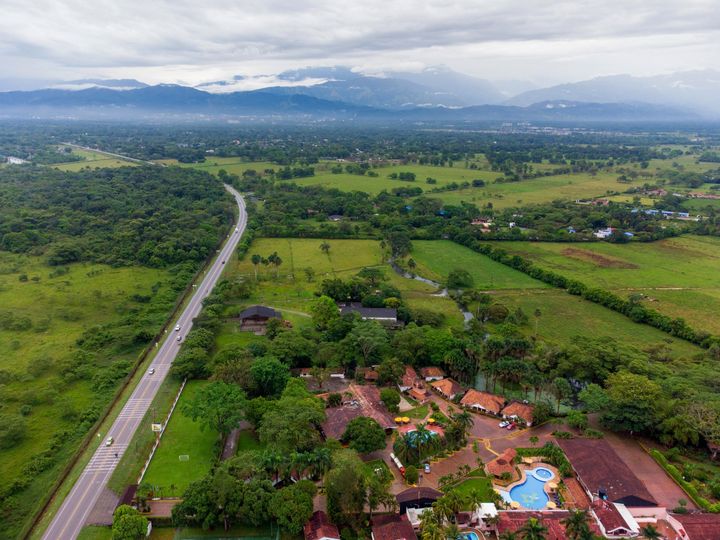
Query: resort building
pixel 417 497
pixel 320 528
pixel 368 374
pixel 447 388
pixel 603 474
pixel 392 527
pixel 432 373
pixel 408 379
pixel 385 316
pixel 519 411
pixel 503 464
pixel 514 520
pixel 615 520
pixel 483 401
pixel 255 318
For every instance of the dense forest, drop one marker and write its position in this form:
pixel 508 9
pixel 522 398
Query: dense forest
pixel 151 216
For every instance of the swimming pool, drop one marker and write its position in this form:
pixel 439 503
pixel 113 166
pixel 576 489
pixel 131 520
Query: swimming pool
pixel 470 536
pixel 531 493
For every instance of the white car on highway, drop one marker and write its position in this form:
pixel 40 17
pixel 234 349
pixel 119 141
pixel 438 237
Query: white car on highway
pixel 109 441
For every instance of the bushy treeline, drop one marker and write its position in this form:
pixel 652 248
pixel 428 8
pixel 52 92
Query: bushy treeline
pixel 151 216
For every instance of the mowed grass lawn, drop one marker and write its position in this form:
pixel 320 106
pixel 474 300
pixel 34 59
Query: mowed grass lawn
pixel 186 451
pixel 94 160
pixel 680 276
pixel 61 308
pixel 435 259
pixel 479 484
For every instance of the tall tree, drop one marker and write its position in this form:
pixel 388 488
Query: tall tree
pixel 218 405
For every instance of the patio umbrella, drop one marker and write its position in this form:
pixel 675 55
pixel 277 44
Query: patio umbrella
pixel 552 486
pixel 406 419
pixel 514 505
pixel 398 419
pixel 551 505
pixel 431 420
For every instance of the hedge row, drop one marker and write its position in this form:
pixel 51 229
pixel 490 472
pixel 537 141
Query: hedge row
pixel 689 488
pixel 553 454
pixel 637 312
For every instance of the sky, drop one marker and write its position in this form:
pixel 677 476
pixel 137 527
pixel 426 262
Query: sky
pixel 191 42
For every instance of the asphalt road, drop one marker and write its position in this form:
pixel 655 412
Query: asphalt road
pixel 71 517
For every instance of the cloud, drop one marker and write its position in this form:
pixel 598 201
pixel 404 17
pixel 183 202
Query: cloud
pixel 190 41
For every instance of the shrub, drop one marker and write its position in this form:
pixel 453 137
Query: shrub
pixel 334 399
pixel 593 434
pixel 390 398
pixel 411 474
pixel 563 435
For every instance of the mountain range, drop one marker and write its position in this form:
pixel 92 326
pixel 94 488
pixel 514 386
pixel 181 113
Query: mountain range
pixel 434 94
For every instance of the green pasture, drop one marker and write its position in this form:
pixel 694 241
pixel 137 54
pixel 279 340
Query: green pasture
pixel 679 276
pixel 232 165
pixel 183 437
pixel 94 160
pixel 435 259
pixel 60 309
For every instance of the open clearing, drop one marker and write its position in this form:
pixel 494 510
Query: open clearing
pixel 680 276
pixel 94 160
pixel 60 309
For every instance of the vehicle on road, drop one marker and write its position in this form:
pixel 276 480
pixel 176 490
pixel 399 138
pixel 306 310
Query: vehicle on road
pixel 503 424
pixel 511 426
pixel 152 371
pixel 109 441
pixel 237 230
pixel 179 338
pixel 177 328
pixel 427 468
pixel 223 261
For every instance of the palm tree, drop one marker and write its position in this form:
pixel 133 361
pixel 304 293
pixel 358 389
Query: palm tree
pixel 576 524
pixel 464 420
pixel 452 532
pixel 430 528
pixel 474 498
pixel 443 509
pixel 651 533
pixel 256 260
pixel 533 530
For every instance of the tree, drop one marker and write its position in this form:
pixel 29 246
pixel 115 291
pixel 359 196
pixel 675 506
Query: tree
pixel 534 440
pixel 345 487
pixel 577 420
pixel 594 398
pixel 256 260
pixel 411 474
pixel 218 405
pixel 390 370
pixel 651 533
pixel 292 348
pixel 12 430
pixel 368 339
pixel 537 313
pixel 324 311
pixel 325 248
pixel 269 376
pixel 292 507
pixel 291 423
pixel 391 398
pixel 309 274
pixel 128 524
pixel 634 402
pixel 364 435
pixel 191 363
pixel 561 389
pixel 576 525
pixel 459 278
pixel 533 530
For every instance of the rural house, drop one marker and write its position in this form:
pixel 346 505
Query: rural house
pixel 483 401
pixel 447 388
pixel 432 373
pixel 519 411
pixel 320 528
pixel 255 318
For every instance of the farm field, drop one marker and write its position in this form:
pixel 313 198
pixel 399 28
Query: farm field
pixel 59 308
pixel 94 160
pixel 679 275
pixel 435 259
pixel 292 293
pixel 186 451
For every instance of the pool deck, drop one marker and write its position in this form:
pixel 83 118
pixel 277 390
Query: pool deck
pixel 523 468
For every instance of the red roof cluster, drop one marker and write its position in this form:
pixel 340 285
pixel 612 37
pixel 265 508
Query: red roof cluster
pixel 432 371
pixel 392 527
pixel 609 516
pixel 502 464
pixel 410 376
pixel 447 387
pixel 700 526
pixel 485 400
pixel 513 521
pixel 319 527
pixel 523 411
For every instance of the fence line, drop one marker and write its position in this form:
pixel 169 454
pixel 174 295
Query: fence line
pixel 157 439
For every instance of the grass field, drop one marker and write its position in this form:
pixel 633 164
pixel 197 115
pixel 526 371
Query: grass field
pixel 60 309
pixel 482 485
pixel 186 451
pixel 435 259
pixel 680 276
pixel 94 160
pixel 292 293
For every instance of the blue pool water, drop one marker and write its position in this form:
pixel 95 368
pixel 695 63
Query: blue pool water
pixel 531 493
pixel 470 536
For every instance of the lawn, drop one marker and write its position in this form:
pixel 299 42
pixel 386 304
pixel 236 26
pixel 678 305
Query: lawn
pixel 247 440
pixel 186 451
pixel 94 160
pixel 679 275
pixel 435 259
pixel 419 413
pixel 482 485
pixel 95 532
pixel 60 308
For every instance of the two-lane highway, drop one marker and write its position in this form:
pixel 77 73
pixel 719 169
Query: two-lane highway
pixel 80 501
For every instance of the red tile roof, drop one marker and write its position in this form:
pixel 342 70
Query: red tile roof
pixel 609 516
pixel 502 464
pixel 420 394
pixel 319 527
pixel 447 387
pixel 599 467
pixel 369 374
pixel 513 521
pixel 432 371
pixel 700 526
pixel 485 400
pixel 409 377
pixel 521 410
pixel 392 527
